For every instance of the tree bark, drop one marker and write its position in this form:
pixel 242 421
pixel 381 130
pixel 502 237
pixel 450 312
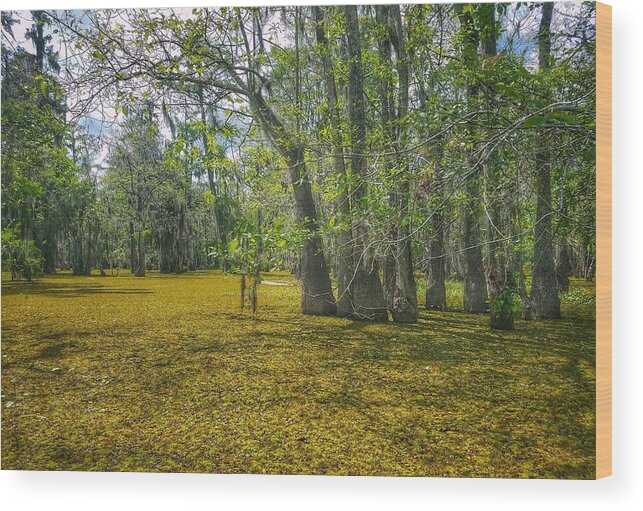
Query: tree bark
pixel 368 295
pixel 544 285
pixel 344 265
pixel 140 254
pixel 317 293
pixel 436 298
pixel 563 267
pixel 405 308
pixel 498 209
pixel 133 259
pixel 49 252
pixel 389 265
pixel 475 288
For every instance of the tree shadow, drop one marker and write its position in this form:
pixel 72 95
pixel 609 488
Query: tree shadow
pixel 54 350
pixel 60 290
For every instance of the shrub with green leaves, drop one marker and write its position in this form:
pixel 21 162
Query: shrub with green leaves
pixel 20 257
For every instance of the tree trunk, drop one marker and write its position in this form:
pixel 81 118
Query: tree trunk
pixel 133 260
pixel 563 254
pixel 475 292
pixel 344 264
pixel 389 265
pixel 140 254
pixel 317 295
pixel 49 252
pixel 544 285
pixel 389 272
pixel 39 18
pixel 502 319
pixel 368 295
pixel 525 302
pixel 405 308
pixel 563 268
pixel 498 204
pixel 213 184
pixel 436 296
pixel 475 288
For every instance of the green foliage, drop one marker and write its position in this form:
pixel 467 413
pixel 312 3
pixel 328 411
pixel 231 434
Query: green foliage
pixel 221 163
pixel 20 257
pixel 38 175
pixel 581 298
pixel 506 303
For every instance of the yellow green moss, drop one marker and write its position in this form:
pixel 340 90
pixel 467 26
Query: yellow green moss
pixel 163 373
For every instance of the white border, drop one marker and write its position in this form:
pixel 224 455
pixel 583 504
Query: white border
pixel 622 491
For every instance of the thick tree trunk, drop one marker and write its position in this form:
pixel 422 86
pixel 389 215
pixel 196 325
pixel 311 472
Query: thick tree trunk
pixel 163 256
pixel 389 273
pixel 82 255
pixel 317 295
pixel 499 289
pixel 525 301
pixel 475 288
pixel 49 252
pixel 169 253
pixel 544 285
pixel 405 306
pixel 389 265
pixel 500 293
pixel 77 265
pixel 502 320
pixel 368 295
pixel 436 295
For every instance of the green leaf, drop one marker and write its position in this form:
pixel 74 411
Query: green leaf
pixel 564 117
pixel 535 121
pixel 208 197
pixel 233 244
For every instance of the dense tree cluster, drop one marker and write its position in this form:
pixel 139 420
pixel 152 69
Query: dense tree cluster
pixel 365 148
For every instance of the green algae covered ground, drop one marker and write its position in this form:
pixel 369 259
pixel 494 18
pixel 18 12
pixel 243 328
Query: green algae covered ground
pixel 164 373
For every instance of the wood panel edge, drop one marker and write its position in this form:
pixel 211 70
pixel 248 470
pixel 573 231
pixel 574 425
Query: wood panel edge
pixel 603 240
